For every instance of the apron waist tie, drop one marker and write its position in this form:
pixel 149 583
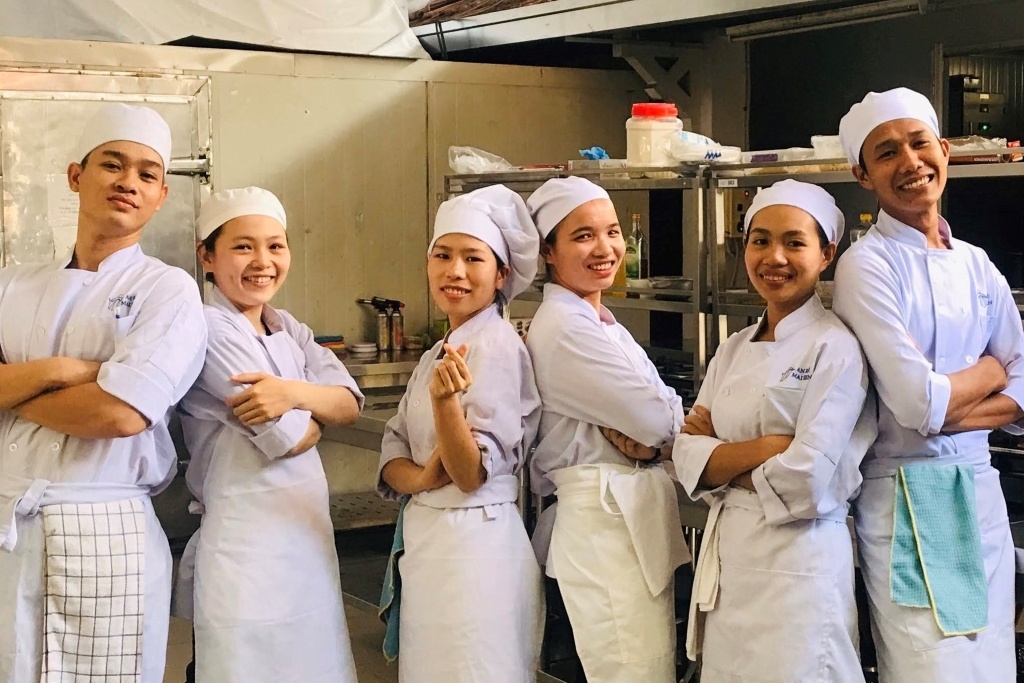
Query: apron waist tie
pixel 21 497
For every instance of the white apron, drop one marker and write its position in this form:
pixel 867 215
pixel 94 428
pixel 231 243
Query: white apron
pixel 23 588
pixel 910 646
pixel 776 589
pixel 267 601
pixel 472 606
pixel 615 545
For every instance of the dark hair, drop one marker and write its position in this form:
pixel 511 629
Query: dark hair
pixel 860 161
pixel 499 296
pixel 209 244
pixel 85 159
pixel 822 237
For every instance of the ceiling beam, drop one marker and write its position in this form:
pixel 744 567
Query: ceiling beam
pixel 562 18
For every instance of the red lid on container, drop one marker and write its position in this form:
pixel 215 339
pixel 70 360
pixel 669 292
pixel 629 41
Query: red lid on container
pixel 654 109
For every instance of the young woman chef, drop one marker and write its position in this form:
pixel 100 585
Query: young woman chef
pixel 268 603
pixel 774 442
pixel 616 538
pixel 471 605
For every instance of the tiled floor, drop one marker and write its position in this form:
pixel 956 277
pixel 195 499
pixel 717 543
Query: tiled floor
pixel 365 630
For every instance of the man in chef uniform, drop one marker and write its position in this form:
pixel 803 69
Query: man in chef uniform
pixel 943 337
pixel 96 349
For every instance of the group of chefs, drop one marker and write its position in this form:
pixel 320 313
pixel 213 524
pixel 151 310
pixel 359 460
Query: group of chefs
pixel 880 408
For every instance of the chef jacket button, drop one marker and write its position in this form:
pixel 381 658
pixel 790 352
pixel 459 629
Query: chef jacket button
pixel 55 446
pixel 726 392
pixel 415 403
pixel 13 447
pixel 970 359
pixel 71 329
pixel 41 331
pixel 88 281
pixel 753 391
pixel 942 359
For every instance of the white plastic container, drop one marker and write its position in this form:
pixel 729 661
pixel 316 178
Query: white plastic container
pixel 827 147
pixel 649 134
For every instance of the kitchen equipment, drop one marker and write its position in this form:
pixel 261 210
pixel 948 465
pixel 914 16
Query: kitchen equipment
pixel 385 326
pixel 360 348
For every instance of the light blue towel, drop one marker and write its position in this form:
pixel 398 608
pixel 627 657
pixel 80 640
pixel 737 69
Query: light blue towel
pixel 391 594
pixel 936 547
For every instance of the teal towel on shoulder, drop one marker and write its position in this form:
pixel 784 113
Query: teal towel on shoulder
pixel 936 558
pixel 391 594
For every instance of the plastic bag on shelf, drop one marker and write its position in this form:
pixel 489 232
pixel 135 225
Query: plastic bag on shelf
pixel 689 146
pixel 468 160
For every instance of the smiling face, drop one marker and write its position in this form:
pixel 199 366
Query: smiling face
pixel 249 262
pixel 587 249
pixel 464 276
pixel 119 189
pixel 784 257
pixel 905 166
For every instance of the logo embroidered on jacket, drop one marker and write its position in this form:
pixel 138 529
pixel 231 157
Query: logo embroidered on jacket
pixel 985 299
pixel 796 373
pixel 121 306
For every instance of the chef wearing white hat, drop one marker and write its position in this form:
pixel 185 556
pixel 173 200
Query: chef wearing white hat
pixel 97 347
pixel 267 591
pixel 471 604
pixel 774 443
pixel 943 339
pixel 615 534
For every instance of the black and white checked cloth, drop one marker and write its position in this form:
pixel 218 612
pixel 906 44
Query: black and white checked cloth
pixel 95 592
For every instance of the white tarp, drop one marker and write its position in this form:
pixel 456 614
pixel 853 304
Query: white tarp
pixel 364 27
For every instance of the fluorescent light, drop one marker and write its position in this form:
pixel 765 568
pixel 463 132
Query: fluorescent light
pixel 846 16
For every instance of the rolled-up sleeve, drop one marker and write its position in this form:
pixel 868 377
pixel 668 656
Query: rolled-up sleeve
pixel 591 380
pixel 836 424
pixel 395 443
pixel 322 365
pixel 690 454
pixel 867 299
pixel 1007 345
pixel 162 353
pixel 228 354
pixel 501 396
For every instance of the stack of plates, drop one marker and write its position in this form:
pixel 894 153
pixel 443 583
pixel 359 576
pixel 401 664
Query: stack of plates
pixel 362 348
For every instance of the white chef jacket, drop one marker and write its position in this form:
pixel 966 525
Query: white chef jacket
pixel 811 382
pixel 921 314
pixel 592 374
pixel 140 318
pixel 234 345
pixel 502 409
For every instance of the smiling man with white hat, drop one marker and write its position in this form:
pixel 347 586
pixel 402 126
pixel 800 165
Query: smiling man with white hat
pixel 97 347
pixel 943 337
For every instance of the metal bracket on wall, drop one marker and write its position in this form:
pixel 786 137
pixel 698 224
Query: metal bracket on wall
pixel 670 72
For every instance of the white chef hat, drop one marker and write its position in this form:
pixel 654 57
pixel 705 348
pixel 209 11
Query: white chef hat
pixel 881 107
pixel 227 204
pixel 810 198
pixel 119 121
pixel 498 217
pixel 558 197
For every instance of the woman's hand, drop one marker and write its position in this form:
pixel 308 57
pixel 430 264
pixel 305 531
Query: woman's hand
pixel 268 398
pixel 632 449
pixel 452 375
pixel 698 423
